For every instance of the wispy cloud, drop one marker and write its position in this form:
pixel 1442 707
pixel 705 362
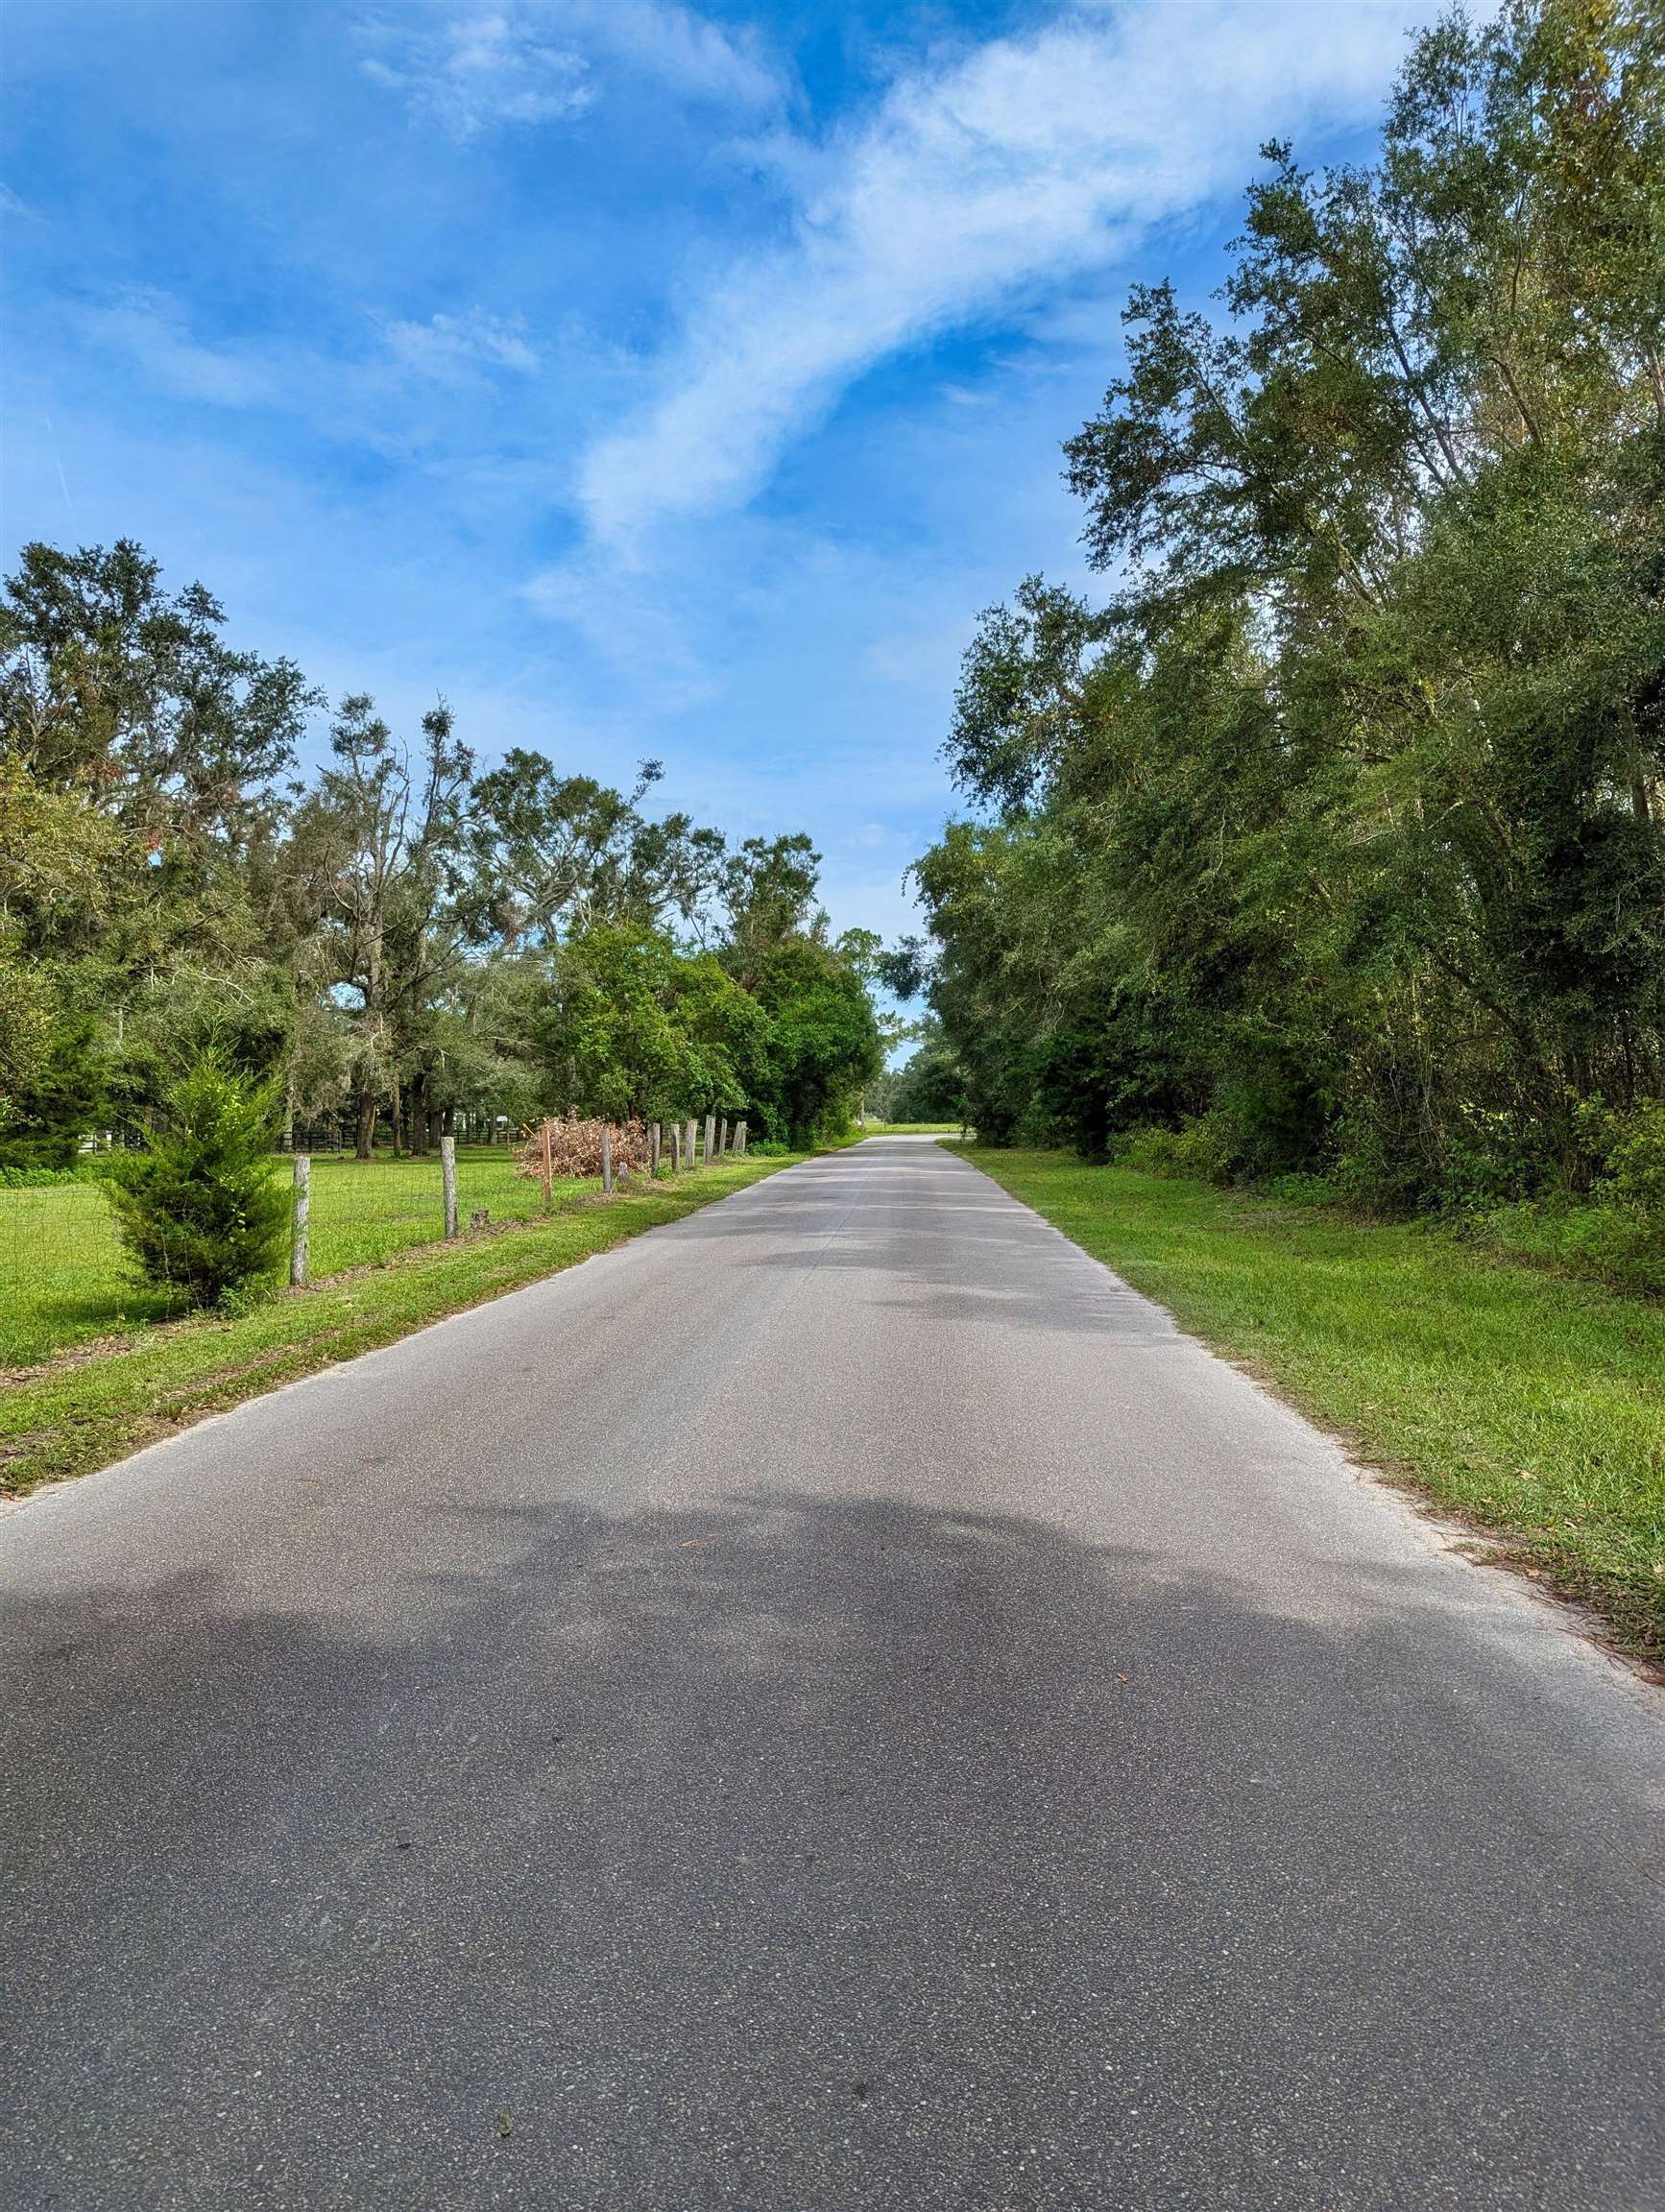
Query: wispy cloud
pixel 636 634
pixel 150 329
pixel 977 183
pixel 472 69
pixel 447 345
pixel 677 47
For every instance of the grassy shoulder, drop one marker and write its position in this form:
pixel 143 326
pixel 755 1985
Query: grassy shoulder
pixel 87 1408
pixel 1527 1404
pixel 64 1279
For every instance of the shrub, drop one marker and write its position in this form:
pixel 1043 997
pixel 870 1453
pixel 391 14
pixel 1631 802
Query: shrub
pixel 1634 1149
pixel 200 1210
pixel 1203 1148
pixel 43 1178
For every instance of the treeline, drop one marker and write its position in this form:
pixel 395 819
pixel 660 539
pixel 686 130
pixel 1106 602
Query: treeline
pixel 406 944
pixel 1332 841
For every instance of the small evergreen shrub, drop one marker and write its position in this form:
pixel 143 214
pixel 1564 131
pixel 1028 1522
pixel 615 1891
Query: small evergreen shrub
pixel 200 1210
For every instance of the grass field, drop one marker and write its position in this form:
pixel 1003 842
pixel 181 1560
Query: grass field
pixel 1529 1404
pixel 80 1411
pixel 63 1280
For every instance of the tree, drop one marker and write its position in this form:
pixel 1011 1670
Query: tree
pixel 381 839
pixel 636 1030
pixel 1340 823
pixel 824 1042
pixel 550 854
pixel 200 1210
pixel 931 1086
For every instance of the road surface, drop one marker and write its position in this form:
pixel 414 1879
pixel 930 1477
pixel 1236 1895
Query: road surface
pixel 835 1703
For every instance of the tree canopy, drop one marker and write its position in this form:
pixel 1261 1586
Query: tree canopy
pixel 395 938
pixel 1336 828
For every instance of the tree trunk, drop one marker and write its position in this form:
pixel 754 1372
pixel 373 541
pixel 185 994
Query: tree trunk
pixel 417 1115
pixel 366 1131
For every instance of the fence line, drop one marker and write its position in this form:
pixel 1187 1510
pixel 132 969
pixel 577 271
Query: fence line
pixel 64 1279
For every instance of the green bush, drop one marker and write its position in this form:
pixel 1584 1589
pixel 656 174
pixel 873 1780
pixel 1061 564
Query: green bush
pixel 42 1178
pixel 1203 1148
pixel 200 1210
pixel 1617 1234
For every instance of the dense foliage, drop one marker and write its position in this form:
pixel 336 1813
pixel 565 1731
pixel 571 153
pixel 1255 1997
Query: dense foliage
pixel 400 942
pixel 197 1209
pixel 1332 841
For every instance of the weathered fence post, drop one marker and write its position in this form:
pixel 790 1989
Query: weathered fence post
pixel 741 1137
pixel 448 1183
pixel 299 1215
pixel 693 1159
pixel 653 1150
pixel 710 1135
pixel 676 1148
pixel 723 1137
pixel 607 1160
pixel 548 1167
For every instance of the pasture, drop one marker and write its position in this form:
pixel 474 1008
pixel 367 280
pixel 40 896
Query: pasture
pixel 64 1280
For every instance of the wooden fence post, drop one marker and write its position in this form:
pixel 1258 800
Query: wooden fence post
pixel 741 1137
pixel 653 1150
pixel 549 1176
pixel 710 1135
pixel 448 1183
pixel 299 1215
pixel 723 1137
pixel 606 1159
pixel 676 1148
pixel 693 1157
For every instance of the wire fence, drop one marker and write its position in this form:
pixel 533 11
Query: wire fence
pixel 65 1281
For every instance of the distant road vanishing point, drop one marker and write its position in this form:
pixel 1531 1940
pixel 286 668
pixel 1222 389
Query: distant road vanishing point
pixel 835 1703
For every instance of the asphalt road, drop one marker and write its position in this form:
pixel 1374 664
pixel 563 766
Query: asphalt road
pixel 835 1703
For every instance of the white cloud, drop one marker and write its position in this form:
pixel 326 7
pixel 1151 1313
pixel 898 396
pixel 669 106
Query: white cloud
pixel 377 396
pixel 975 183
pixel 473 69
pixel 149 328
pixel 661 40
pixel 632 627
pixel 447 345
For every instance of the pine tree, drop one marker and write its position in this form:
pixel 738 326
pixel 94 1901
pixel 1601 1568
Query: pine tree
pixel 200 1210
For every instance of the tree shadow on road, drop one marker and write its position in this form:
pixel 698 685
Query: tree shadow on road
pixel 795 1851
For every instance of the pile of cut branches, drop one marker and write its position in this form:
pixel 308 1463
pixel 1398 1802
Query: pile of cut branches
pixel 574 1149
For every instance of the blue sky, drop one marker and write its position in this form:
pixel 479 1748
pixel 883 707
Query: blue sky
pixel 648 380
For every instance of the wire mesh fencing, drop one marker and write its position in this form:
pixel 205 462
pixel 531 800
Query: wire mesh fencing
pixel 65 1280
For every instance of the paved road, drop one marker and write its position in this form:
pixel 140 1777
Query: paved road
pixel 836 1703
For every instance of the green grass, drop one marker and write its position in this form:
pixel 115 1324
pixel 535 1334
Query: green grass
pixel 83 1410
pixel 63 1280
pixel 1529 1405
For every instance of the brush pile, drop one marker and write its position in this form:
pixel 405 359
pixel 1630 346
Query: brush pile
pixel 575 1150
